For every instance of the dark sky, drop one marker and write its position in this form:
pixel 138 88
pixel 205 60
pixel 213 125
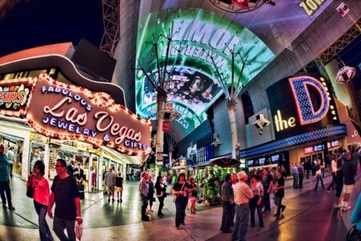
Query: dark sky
pixel 41 22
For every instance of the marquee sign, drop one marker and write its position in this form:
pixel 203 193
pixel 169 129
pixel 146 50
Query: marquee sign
pixel 68 112
pixel 310 107
pixel 14 96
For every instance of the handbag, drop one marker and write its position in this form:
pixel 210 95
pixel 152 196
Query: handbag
pixel 30 189
pixel 353 234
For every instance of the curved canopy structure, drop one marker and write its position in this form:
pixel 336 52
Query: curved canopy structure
pixel 200 49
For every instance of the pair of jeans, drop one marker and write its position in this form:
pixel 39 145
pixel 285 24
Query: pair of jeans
pixel 253 207
pixel 44 231
pixel 227 216
pixel 295 180
pixel 60 225
pixel 278 202
pixel 241 223
pixel 5 189
pixel 300 184
pixel 161 205
pixel 144 207
pixel 267 202
pixel 333 183
pixel 180 214
pixel 319 179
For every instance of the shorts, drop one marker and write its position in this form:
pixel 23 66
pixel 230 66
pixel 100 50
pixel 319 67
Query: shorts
pixel 110 188
pixel 348 188
pixel 118 189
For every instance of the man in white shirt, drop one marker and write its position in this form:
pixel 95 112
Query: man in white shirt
pixel 11 157
pixel 242 195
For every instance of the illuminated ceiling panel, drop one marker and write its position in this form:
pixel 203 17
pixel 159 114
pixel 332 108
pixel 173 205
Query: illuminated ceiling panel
pixel 197 37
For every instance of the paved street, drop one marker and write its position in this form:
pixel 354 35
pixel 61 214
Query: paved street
pixel 309 216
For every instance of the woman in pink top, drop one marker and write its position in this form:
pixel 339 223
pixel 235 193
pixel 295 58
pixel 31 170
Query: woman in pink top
pixel 41 198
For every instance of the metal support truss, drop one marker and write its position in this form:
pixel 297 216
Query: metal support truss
pixel 341 43
pixel 111 23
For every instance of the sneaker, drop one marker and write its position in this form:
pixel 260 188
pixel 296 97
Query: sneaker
pixel 11 208
pixel 4 205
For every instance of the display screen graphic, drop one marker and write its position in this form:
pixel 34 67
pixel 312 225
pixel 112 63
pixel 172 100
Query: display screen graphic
pixel 199 42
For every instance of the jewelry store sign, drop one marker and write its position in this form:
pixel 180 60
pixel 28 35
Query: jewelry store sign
pixel 68 112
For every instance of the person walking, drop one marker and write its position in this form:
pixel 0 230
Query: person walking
pixel 65 196
pixel 109 181
pixel 40 187
pixel 144 190
pixel 301 174
pixel 256 202
pixel 228 204
pixel 279 193
pixel 319 177
pixel 192 195
pixel 5 179
pixel 294 172
pixel 180 191
pixel 242 195
pixel 339 180
pixel 161 192
pixel 267 187
pixel 151 198
pixel 333 172
pixel 11 158
pixel 119 187
pixel 349 174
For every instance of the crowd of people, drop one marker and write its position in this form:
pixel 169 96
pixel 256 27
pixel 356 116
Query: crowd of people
pixel 246 197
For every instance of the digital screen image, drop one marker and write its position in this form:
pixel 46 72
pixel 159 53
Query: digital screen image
pixel 193 62
pixel 250 163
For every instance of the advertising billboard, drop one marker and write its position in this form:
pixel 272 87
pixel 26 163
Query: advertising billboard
pixel 301 104
pixel 200 49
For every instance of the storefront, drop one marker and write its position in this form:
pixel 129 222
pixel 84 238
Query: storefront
pixel 304 121
pixel 45 119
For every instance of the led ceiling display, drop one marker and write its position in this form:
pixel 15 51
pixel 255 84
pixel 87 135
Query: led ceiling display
pixel 198 39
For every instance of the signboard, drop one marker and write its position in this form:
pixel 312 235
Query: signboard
pixel 311 6
pixel 76 113
pixel 199 38
pixel 301 104
pixel 14 96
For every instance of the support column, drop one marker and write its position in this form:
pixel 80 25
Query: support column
pixel 160 133
pixel 25 167
pixel 125 53
pixel 47 158
pixel 231 106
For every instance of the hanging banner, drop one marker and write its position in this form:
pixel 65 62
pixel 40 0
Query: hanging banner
pixel 67 112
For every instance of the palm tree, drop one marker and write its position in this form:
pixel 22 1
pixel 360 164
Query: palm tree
pixel 231 90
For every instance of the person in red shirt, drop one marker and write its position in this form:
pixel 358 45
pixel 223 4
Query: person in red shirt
pixel 41 194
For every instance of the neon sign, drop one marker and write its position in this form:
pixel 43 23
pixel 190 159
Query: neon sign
pixel 305 108
pixel 14 96
pixel 282 124
pixel 197 37
pixel 76 113
pixel 310 99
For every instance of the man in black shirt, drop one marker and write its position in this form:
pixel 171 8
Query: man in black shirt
pixel 67 203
